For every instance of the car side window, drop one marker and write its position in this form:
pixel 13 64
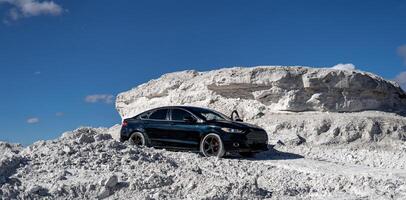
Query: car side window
pixel 179 115
pixel 143 115
pixel 159 114
pixel 212 116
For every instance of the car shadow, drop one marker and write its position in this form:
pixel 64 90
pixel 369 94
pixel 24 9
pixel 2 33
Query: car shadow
pixel 271 154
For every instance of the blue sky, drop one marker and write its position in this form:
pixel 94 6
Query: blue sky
pixel 62 62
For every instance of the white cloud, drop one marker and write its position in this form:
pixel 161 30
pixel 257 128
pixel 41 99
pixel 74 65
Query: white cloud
pixel 95 98
pixel 37 73
pixel 401 79
pixel 29 8
pixel 402 53
pixel 33 120
pixel 59 114
pixel 347 66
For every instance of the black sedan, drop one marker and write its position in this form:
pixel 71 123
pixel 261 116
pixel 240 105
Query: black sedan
pixel 194 128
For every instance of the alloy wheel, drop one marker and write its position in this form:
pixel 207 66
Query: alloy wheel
pixel 211 146
pixel 137 139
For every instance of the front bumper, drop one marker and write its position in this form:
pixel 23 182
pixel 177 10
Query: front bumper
pixel 252 141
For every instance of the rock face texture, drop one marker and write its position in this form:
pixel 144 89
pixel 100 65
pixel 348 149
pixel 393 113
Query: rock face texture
pixel 259 90
pixel 368 128
pixel 9 159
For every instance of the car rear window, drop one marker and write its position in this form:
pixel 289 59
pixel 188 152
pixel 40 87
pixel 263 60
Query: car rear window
pixel 159 114
pixel 143 115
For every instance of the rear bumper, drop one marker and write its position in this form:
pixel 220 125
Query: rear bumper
pixel 124 135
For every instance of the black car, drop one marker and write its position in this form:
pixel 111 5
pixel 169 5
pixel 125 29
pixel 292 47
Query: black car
pixel 194 128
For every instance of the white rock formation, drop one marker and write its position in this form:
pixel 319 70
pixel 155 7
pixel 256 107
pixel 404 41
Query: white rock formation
pixel 273 97
pixel 266 89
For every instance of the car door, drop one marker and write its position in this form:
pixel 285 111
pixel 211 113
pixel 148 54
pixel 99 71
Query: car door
pixel 157 126
pixel 184 133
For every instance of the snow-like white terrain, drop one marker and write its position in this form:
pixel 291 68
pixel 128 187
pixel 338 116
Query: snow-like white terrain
pixel 337 134
pixel 88 164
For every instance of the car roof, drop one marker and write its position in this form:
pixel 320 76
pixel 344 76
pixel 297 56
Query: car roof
pixel 184 107
pixel 191 109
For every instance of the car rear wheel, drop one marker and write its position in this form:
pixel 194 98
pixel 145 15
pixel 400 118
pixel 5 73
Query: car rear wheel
pixel 137 139
pixel 212 145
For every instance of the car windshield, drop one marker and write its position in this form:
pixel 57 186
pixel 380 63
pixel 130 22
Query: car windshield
pixel 209 115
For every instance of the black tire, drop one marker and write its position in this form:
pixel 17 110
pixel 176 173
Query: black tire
pixel 212 145
pixel 247 154
pixel 138 139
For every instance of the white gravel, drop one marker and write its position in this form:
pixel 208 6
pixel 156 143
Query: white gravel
pixel 102 167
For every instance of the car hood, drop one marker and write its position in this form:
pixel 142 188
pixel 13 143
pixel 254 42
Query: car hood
pixel 234 124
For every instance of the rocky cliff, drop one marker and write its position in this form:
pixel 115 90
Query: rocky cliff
pixel 257 90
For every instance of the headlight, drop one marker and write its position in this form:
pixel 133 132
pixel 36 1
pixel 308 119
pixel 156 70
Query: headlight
pixel 232 130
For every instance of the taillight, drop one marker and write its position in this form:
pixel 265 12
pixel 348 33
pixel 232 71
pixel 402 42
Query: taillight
pixel 124 124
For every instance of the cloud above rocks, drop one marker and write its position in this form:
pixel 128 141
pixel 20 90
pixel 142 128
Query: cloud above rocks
pixel 347 66
pixel 29 8
pixel 402 53
pixel 33 120
pixel 401 79
pixel 100 98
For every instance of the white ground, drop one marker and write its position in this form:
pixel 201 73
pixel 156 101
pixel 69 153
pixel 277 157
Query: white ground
pixel 86 162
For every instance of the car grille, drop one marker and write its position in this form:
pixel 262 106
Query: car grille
pixel 257 136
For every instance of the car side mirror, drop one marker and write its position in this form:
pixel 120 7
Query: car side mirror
pixel 235 116
pixel 189 119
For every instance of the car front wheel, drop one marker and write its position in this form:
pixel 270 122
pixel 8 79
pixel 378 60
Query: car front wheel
pixel 212 145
